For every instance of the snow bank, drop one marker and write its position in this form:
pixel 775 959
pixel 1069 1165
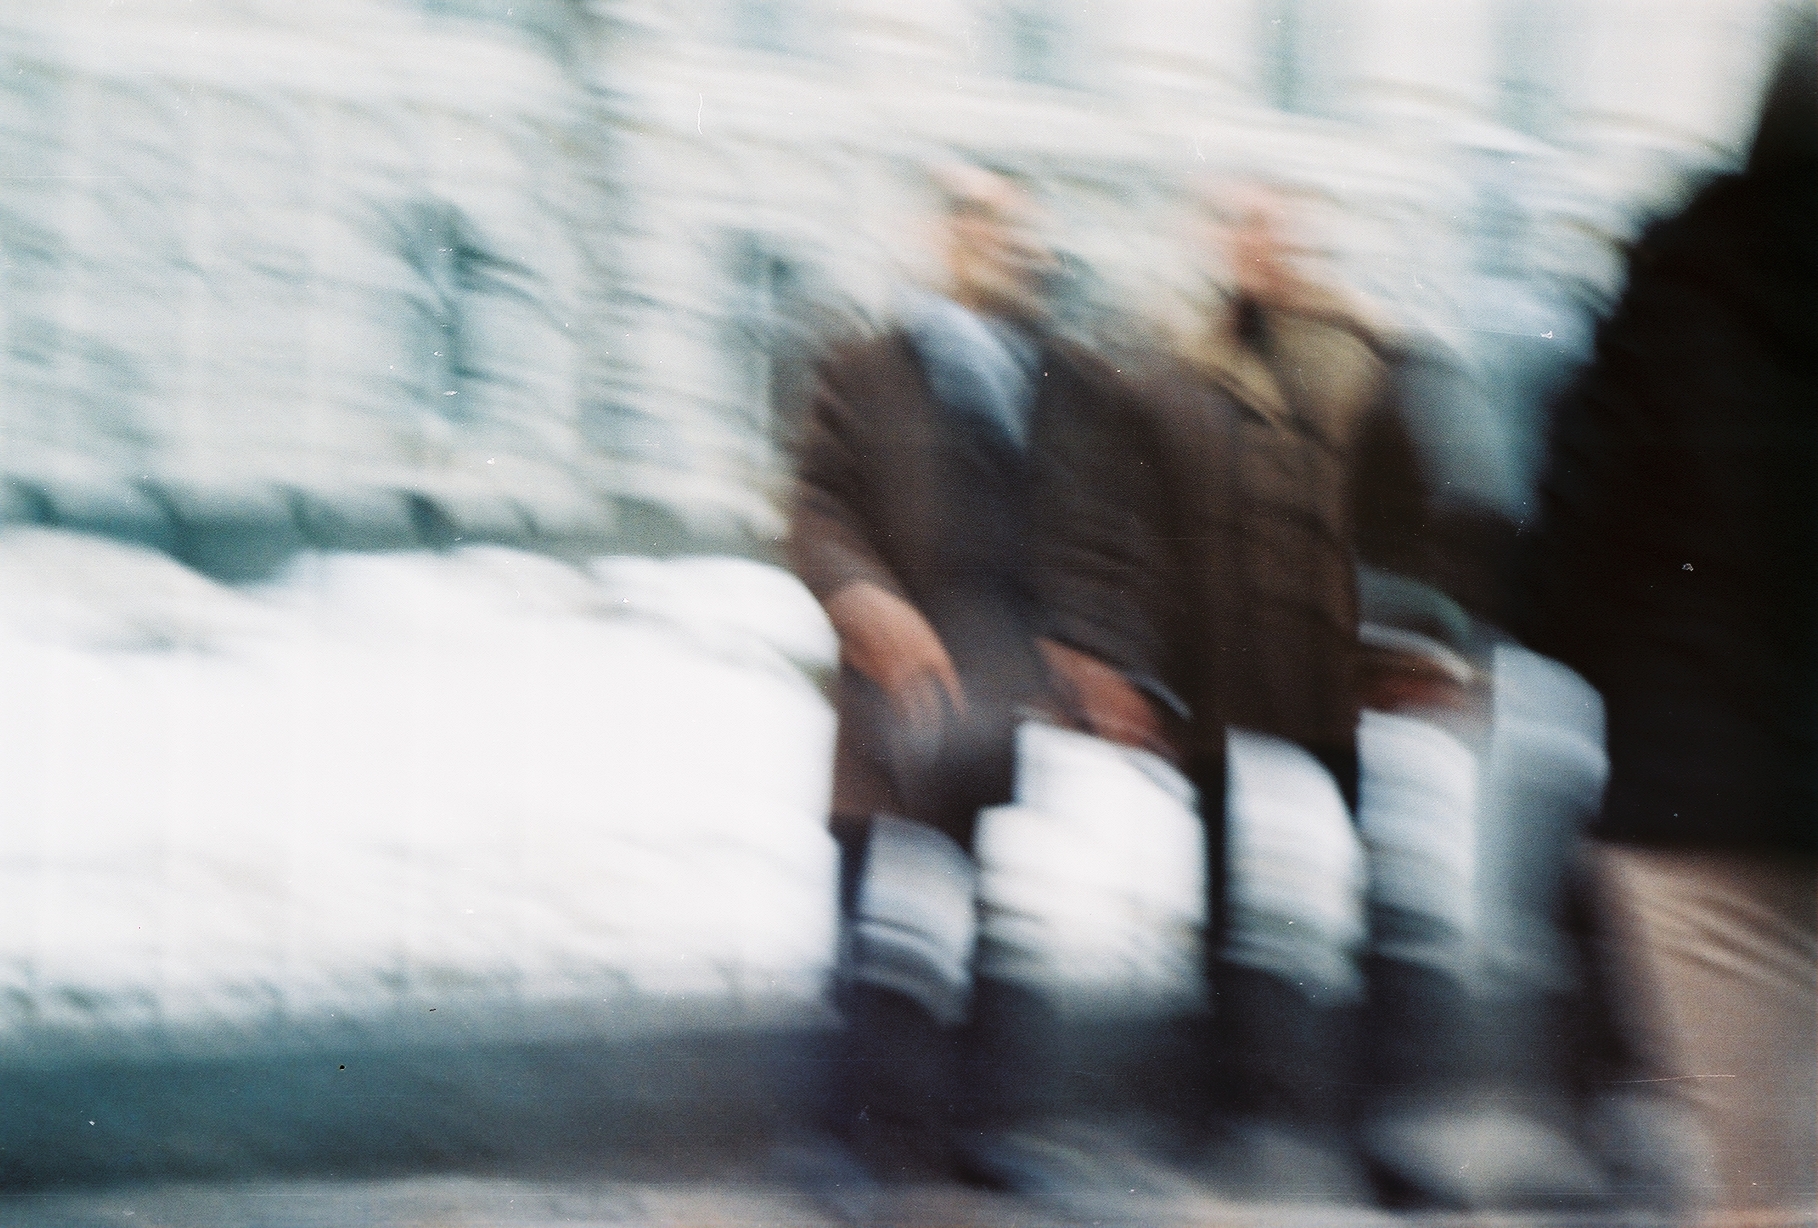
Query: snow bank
pixel 389 783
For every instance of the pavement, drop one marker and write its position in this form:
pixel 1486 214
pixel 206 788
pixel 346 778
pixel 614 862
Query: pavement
pixel 725 1202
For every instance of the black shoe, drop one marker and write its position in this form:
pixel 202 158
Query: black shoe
pixel 1065 1161
pixel 1258 1159
pixel 1477 1158
pixel 888 1111
pixel 865 1179
pixel 1280 1055
pixel 895 1071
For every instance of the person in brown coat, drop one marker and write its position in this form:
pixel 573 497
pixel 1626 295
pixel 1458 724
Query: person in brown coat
pixel 935 455
pixel 1276 457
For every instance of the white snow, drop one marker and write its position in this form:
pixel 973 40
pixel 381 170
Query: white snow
pixel 387 782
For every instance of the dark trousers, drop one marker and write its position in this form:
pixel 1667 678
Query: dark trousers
pixel 1269 1049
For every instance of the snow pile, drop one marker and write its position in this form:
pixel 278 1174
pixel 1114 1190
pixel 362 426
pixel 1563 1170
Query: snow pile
pixel 386 783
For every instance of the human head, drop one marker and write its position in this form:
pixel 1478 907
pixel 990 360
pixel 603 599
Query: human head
pixel 1249 229
pixel 996 261
pixel 1786 132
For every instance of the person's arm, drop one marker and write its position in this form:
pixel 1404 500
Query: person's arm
pixel 1570 586
pixel 1104 570
pixel 1392 513
pixel 1106 703
pixel 829 543
pixel 1612 492
pixel 882 635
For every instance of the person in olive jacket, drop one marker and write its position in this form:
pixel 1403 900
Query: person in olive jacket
pixel 1274 456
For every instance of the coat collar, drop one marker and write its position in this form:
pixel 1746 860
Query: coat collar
pixel 1241 370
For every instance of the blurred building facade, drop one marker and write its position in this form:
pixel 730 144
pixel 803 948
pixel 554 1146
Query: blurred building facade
pixel 380 271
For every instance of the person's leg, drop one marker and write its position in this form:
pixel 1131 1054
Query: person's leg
pixel 1054 1076
pixel 1207 771
pixel 1417 797
pixel 1720 961
pixel 905 981
pixel 1284 980
pixel 1436 1127
pixel 902 985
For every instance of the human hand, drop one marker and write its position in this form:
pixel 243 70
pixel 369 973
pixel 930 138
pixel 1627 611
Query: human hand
pixel 1103 702
pixel 888 640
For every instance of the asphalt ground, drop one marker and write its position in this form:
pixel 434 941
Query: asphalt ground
pixel 480 1202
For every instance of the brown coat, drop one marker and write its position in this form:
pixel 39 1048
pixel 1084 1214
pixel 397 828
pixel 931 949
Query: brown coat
pixel 1240 560
pixel 887 494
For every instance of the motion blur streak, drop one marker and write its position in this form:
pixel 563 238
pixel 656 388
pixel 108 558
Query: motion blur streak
pixel 415 754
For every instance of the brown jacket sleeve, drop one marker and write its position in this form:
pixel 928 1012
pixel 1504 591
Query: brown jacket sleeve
pixel 1391 512
pixel 830 544
pixel 1104 539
